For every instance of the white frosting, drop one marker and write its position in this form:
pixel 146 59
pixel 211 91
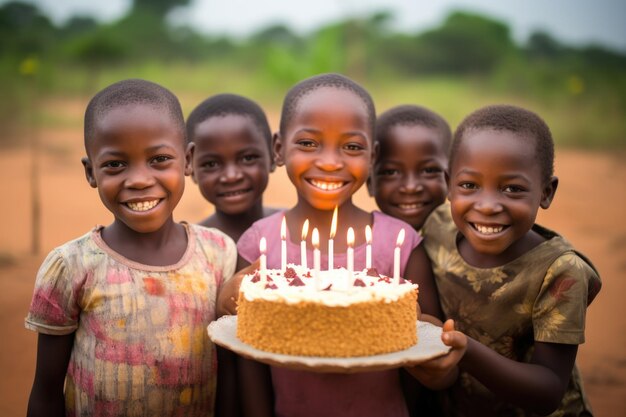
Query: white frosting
pixel 342 292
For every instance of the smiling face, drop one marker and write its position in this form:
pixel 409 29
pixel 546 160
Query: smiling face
pixel 495 192
pixel 408 181
pixel 326 148
pixel 231 163
pixel 137 162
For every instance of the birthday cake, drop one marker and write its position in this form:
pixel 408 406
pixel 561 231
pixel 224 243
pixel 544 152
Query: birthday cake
pixel 331 314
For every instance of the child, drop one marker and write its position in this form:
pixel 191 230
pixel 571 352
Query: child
pixel 325 143
pixel 122 311
pixel 230 150
pixel 409 176
pixel 518 290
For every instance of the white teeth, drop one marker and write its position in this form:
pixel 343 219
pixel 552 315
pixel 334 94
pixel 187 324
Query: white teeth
pixel 488 230
pixel 410 206
pixel 142 205
pixel 327 186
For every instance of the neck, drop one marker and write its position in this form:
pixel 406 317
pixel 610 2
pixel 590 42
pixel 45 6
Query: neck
pixel 348 215
pixel 235 224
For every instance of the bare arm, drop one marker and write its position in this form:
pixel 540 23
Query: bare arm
pixel 419 271
pixel 538 386
pixel 53 356
pixel 257 394
pixel 227 297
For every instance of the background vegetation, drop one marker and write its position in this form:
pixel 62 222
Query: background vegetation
pixel 469 60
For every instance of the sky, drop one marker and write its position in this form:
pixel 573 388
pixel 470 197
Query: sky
pixel 575 22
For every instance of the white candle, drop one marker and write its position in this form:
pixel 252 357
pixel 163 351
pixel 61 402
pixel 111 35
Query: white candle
pixel 368 247
pixel 350 254
pixel 305 233
pixel 396 258
pixel 317 257
pixel 283 245
pixel 331 243
pixel 263 262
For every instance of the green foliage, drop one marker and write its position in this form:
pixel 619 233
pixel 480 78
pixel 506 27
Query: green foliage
pixel 467 61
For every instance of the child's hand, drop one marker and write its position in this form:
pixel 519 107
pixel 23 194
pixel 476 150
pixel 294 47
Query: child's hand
pixel 441 372
pixel 227 297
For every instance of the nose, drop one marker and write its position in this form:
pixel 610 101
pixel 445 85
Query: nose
pixel 139 177
pixel 231 173
pixel 329 160
pixel 411 184
pixel 488 203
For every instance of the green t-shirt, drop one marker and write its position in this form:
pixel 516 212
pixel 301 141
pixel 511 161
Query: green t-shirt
pixel 540 296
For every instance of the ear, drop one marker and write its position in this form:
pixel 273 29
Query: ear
pixel 277 148
pixel 548 192
pixel 371 182
pixel 91 179
pixel 191 147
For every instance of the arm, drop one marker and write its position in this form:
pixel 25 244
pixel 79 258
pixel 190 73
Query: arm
pixel 53 356
pixel 419 271
pixel 538 386
pixel 227 297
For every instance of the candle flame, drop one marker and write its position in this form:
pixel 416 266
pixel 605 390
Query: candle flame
pixel 333 224
pixel 263 245
pixel 305 229
pixel 283 229
pixel 315 238
pixel 368 234
pixel 400 239
pixel 350 237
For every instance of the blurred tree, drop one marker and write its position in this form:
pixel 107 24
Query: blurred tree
pixel 24 30
pixel 158 7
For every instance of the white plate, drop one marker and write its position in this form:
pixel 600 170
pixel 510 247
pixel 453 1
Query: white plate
pixel 224 333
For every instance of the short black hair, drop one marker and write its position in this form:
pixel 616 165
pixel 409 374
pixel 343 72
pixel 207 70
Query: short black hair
pixel 131 91
pixel 526 124
pixel 226 104
pixel 412 115
pixel 331 80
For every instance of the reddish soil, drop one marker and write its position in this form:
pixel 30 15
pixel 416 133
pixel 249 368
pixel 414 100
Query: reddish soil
pixel 588 210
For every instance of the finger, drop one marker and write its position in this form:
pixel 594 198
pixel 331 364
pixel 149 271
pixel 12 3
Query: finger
pixel 448 326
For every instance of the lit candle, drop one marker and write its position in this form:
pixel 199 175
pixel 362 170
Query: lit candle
pixel 396 258
pixel 331 243
pixel 368 248
pixel 350 240
pixel 305 232
pixel 263 262
pixel 317 257
pixel 283 245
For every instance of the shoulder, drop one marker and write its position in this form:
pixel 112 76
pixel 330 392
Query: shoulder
pixel 210 237
pixel 261 227
pixel 439 220
pixel 386 229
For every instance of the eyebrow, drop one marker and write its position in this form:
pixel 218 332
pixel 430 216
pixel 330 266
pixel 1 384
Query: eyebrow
pixel 319 132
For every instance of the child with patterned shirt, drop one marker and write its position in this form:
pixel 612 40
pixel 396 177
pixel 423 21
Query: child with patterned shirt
pixel 122 311
pixel 517 290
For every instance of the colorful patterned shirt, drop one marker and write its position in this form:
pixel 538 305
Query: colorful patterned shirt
pixel 540 296
pixel 141 347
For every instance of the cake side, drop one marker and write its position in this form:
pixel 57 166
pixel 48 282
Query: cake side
pixel 334 315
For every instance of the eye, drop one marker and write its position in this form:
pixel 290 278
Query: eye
pixel 250 158
pixel 210 164
pixel 513 189
pixel 354 147
pixel 468 185
pixel 161 158
pixel 434 170
pixel 306 143
pixel 388 172
pixel 113 164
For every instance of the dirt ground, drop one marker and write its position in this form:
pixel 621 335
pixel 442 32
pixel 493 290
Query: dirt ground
pixel 589 210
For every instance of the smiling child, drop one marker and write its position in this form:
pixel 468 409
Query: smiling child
pixel 408 180
pixel 518 290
